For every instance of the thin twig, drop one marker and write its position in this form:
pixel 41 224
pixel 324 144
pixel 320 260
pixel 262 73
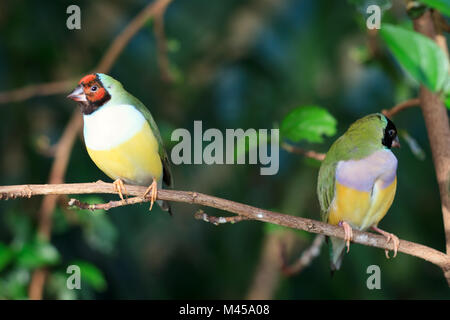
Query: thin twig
pixel 401 106
pixel 306 258
pixel 201 215
pixel 161 45
pixel 34 90
pixel 151 10
pixel 429 254
pixel 307 153
pixel 106 206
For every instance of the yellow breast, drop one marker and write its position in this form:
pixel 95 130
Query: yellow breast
pixel 360 208
pixel 135 161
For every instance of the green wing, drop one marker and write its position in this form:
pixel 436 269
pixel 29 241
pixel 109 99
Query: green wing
pixel 167 173
pixel 350 146
pixel 326 186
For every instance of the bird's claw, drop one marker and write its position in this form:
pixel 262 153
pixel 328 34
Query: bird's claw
pixel 119 187
pixel 348 233
pixel 153 190
pixel 389 236
pixel 396 243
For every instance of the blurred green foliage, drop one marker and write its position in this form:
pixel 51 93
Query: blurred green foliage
pixel 441 5
pixel 419 55
pixel 309 123
pixel 234 64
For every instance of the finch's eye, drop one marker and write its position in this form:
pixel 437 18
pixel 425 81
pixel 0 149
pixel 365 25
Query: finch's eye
pixel 392 133
pixel 94 88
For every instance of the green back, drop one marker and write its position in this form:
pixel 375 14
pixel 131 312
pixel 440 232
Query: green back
pixel 167 173
pixel 361 139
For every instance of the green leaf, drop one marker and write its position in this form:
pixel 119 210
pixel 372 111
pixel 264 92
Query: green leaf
pixel 447 101
pixel 92 275
pixel 446 95
pixel 6 255
pixel 441 5
pixel 419 55
pixel 37 254
pixel 312 162
pixel 308 123
pixel 14 285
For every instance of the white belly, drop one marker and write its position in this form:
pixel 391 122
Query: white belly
pixel 111 126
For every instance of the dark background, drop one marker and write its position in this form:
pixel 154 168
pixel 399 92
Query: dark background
pixel 234 64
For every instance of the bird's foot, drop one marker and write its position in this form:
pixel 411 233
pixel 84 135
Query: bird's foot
pixel 389 236
pixel 153 190
pixel 119 187
pixel 348 233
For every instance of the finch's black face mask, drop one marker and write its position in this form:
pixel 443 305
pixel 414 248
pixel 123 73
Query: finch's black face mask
pixel 390 138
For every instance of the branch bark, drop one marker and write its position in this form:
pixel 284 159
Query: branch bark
pixel 401 106
pixel 369 239
pixel 303 152
pixel 437 123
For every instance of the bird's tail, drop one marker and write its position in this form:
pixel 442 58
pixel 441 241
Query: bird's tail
pixel 337 250
pixel 165 205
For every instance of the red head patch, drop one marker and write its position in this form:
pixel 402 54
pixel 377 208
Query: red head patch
pixel 96 94
pixel 88 78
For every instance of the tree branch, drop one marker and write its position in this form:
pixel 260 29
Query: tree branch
pixel 306 258
pixel 401 106
pixel 161 46
pixel 34 90
pixel 201 215
pixel 437 123
pixel 369 239
pixel 153 9
pixel 303 152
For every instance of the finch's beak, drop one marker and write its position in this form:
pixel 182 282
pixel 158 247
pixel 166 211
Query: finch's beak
pixel 396 143
pixel 77 94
